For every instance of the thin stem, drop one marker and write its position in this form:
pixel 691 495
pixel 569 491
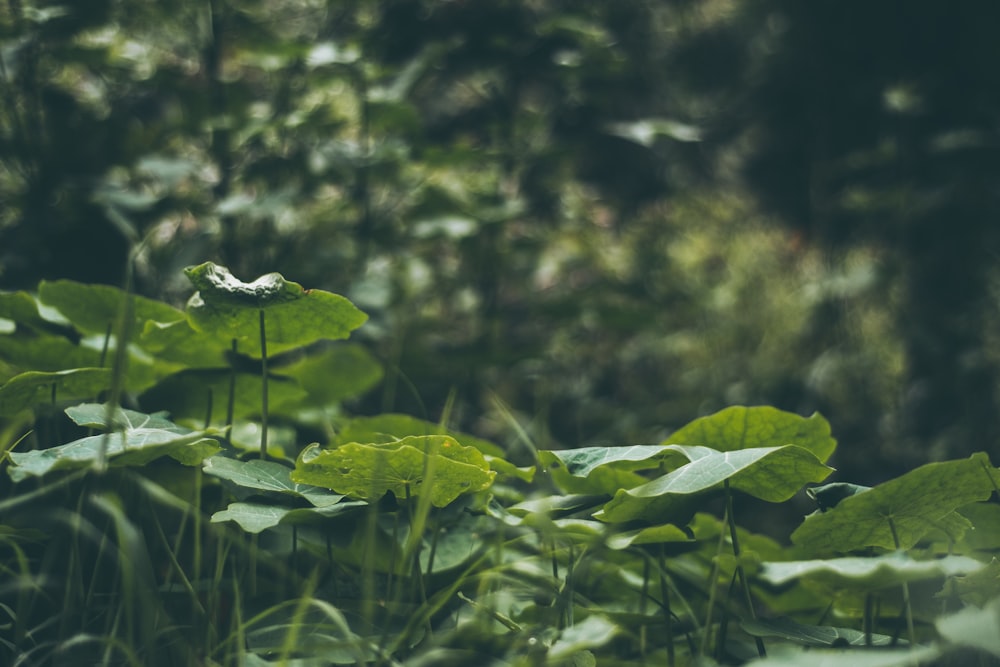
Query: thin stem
pixel 740 572
pixel 908 608
pixel 231 400
pixel 263 389
pixel 668 614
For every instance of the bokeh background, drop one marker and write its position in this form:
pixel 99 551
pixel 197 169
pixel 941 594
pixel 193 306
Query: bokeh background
pixel 597 219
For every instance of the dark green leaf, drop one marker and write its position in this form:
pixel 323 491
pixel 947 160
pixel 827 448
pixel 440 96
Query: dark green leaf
pixel 33 388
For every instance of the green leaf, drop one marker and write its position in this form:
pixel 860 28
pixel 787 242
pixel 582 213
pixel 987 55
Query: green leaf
pixel 773 474
pixel 34 388
pixel 797 657
pixel 651 535
pixel 913 504
pixel 95 415
pixel 257 517
pixel 868 573
pixel 267 476
pixel 178 342
pixel 368 471
pixel 187 395
pixel 828 495
pixel 136 446
pixel 92 308
pixel 593 632
pixel 978 588
pixel 338 372
pixel 391 426
pixel 741 427
pixel 976 628
pixel 811 635
pixel 230 309
pixel 602 469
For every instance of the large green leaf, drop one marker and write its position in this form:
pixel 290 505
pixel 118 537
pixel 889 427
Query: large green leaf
pixel 34 388
pixel 340 371
pixel 392 426
pixel 178 342
pixel 913 505
pixel 369 471
pixel 187 394
pixel 262 475
pixel 226 307
pixel 741 427
pixel 142 438
pixel 93 308
pixel 773 474
pixel 868 573
pixel 603 469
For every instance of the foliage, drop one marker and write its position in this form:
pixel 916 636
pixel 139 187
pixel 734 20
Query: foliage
pixel 133 536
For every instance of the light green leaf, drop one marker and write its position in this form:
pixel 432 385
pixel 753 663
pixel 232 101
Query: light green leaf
pixel 868 573
pixel 368 471
pixel 34 388
pixel 981 586
pixel 651 535
pixel 593 632
pixel 230 309
pixel 977 628
pixel 392 426
pixel 95 415
pixel 773 474
pixel 798 657
pixel 257 517
pixel 93 308
pixel 741 427
pixel 603 469
pixel 913 504
pixel 135 447
pixel 267 476
pixel 178 342
pixel 811 635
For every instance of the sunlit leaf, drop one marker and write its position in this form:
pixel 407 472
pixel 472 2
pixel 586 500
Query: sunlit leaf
pixel 773 474
pixel 267 476
pixel 913 505
pixel 868 573
pixel 741 427
pixel 976 628
pixel 369 471
pixel 229 308
pixel 390 426
pixel 33 388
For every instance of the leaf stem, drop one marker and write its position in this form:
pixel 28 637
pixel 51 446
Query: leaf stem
pixel 906 589
pixel 263 388
pixel 740 572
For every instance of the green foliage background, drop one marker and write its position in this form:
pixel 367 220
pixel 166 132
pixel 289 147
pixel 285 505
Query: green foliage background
pixel 608 216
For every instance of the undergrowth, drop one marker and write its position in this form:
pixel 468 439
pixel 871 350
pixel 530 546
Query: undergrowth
pixel 186 488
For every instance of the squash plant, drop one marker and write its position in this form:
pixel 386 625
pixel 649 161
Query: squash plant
pixel 232 512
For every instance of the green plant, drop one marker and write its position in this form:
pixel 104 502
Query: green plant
pixel 234 512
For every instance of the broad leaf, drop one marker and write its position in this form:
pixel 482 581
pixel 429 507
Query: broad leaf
pixel 257 517
pixel 369 471
pixel 913 505
pixel 867 573
pixel 391 426
pixel 773 474
pixel 179 343
pixel 813 657
pixel 812 635
pixel 231 309
pixel 95 415
pixel 33 388
pixel 741 427
pixel 133 447
pixel 340 371
pixel 189 393
pixel 267 476
pixel 602 469
pixel 93 308
pixel 977 628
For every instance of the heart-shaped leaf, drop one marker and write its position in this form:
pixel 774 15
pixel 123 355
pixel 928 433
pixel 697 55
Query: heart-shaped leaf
pixel 773 474
pixel 368 471
pixel 33 388
pixel 911 505
pixel 93 308
pixel 741 427
pixel 231 309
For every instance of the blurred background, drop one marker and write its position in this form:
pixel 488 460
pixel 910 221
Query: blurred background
pixel 608 218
